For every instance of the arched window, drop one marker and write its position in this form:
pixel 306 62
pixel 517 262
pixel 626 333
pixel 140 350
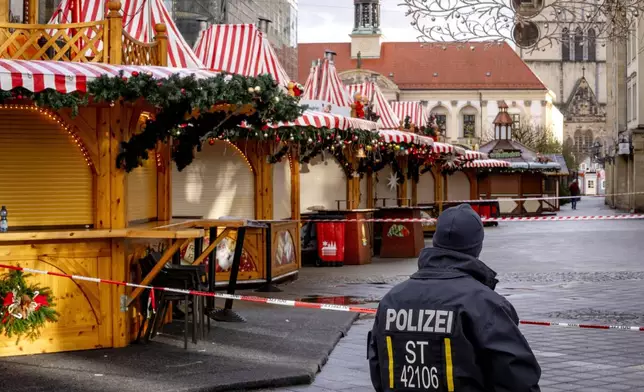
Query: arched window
pixel 579 141
pixel 591 45
pixel 589 140
pixel 579 44
pixel 565 45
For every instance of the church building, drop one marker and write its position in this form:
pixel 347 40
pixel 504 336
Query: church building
pixel 461 83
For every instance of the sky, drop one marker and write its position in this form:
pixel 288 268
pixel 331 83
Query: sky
pixel 332 21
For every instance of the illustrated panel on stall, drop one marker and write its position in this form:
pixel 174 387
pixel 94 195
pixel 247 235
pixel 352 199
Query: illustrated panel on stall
pixel 142 192
pixel 282 189
pixel 45 179
pixel 219 183
pixel 386 187
pixel 322 183
pixel 252 259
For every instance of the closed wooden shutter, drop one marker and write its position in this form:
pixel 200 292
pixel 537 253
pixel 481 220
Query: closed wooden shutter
pixel 425 188
pixel 458 186
pixel 44 179
pixel 323 184
pixel 282 190
pixel 219 182
pixel 382 188
pixel 142 191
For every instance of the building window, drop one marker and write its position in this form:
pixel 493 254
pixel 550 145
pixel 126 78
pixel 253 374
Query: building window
pixel 591 184
pixel 469 125
pixel 516 122
pixel 634 102
pixel 592 49
pixel 579 44
pixel 565 45
pixel 441 121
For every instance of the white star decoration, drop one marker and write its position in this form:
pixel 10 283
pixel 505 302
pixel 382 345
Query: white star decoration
pixel 392 182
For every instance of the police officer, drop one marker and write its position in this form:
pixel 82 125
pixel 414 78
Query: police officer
pixel 445 329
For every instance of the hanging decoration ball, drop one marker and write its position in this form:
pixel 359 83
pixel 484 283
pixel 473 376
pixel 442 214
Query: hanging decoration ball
pixel 111 103
pixel 310 140
pixel 338 137
pixel 265 127
pixel 135 73
pixel 291 137
pixel 355 138
pixel 124 78
pixel 277 138
pixel 397 147
pixel 257 89
pixel 183 91
pixel 277 99
pixel 368 148
pixel 251 90
pixel 159 84
pixel 211 141
pixel 265 134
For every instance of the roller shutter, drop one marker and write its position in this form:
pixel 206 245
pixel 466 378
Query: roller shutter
pixel 324 183
pixel 282 190
pixel 142 191
pixel 44 178
pixel 219 182
pixel 458 186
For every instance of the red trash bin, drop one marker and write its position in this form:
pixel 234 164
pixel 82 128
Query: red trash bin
pixel 330 237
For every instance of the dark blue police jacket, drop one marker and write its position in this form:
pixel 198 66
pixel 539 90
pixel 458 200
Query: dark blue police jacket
pixel 445 330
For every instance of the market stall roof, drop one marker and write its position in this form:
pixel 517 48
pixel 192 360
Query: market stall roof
pixel 324 84
pixel 388 118
pixel 497 145
pixel 470 155
pixel 67 77
pixel 443 148
pixel 240 49
pixel 139 19
pixel 413 109
pixel 328 120
pixel 395 136
pixel 477 163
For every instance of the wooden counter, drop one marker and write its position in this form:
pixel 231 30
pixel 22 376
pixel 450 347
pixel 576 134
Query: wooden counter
pixel 401 239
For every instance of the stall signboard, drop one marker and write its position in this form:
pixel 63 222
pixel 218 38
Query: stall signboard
pixel 504 154
pixel 326 107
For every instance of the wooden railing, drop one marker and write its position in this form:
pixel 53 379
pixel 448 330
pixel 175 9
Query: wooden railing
pixel 103 41
pixel 82 42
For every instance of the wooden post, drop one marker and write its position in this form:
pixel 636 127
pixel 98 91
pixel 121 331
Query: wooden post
pixel 370 189
pixel 295 183
pixel 161 37
pixel 474 185
pixel 115 27
pixel 4 11
pixel 104 168
pixel 353 183
pixel 31 16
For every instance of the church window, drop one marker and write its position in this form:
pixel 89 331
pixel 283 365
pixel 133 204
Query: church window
pixel 469 125
pixel 356 17
pixel 565 45
pixel 579 45
pixel 591 46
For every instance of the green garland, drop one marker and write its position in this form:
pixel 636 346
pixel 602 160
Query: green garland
pixel 25 308
pixel 176 98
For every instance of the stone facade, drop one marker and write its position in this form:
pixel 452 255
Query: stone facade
pixel 481 106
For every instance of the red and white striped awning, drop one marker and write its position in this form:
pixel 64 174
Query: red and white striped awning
pixel 413 109
pixel 486 163
pixel 139 19
pixel 470 155
pixel 324 84
pixel 240 49
pixel 328 120
pixel 395 136
pixel 67 77
pixel 388 119
pixel 442 148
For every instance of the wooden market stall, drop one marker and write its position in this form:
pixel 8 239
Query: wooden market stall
pixel 72 208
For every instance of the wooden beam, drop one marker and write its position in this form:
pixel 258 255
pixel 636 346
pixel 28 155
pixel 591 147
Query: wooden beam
pixel 158 267
pixel 103 168
pixel 118 190
pixel 212 246
pixel 115 23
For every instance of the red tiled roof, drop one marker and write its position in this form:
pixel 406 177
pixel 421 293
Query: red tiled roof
pixel 456 67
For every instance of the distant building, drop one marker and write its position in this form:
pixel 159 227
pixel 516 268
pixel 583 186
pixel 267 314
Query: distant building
pixel 460 84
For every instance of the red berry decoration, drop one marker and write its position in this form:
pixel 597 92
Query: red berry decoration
pixel 135 73
pixel 211 141
pixel 124 78
pixel 265 127
pixel 183 91
pixel 277 138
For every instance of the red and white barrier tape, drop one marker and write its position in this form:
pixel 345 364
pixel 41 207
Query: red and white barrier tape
pixel 500 219
pixel 292 303
pixel 543 198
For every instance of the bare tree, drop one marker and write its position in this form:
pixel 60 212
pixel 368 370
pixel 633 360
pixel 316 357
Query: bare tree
pixel 536 137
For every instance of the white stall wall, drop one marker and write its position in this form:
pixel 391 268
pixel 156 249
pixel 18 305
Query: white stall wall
pixel 282 189
pixel 323 184
pixel 425 188
pixel 458 186
pixel 219 182
pixel 381 179
pixel 363 192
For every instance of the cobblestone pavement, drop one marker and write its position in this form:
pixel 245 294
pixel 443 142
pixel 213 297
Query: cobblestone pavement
pixel 585 271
